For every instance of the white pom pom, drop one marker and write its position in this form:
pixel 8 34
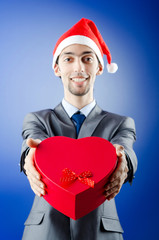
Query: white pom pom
pixel 112 68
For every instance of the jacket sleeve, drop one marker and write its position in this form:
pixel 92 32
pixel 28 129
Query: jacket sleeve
pixel 125 135
pixel 32 128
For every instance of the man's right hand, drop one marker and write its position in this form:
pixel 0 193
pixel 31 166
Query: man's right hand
pixel 33 175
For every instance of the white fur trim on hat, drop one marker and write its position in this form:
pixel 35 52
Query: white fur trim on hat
pixel 77 39
pixel 112 67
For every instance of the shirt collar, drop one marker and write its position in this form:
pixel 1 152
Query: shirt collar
pixel 70 109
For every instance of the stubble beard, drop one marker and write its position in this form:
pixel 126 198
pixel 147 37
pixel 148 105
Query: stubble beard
pixel 78 92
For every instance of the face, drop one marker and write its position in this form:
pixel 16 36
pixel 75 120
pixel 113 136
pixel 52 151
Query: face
pixel 78 67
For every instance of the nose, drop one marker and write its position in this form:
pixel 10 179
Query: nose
pixel 78 66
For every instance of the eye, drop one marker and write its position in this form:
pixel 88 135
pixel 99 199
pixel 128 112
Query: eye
pixel 68 59
pixel 88 59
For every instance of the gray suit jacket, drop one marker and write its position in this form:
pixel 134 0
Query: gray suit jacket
pixel 45 222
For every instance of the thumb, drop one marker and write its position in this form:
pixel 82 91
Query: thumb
pixel 119 150
pixel 33 143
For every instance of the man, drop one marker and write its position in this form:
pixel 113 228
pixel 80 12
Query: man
pixel 78 59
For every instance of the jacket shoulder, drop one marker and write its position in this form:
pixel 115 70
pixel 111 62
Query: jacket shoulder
pixel 116 116
pixel 118 120
pixel 44 113
pixel 41 114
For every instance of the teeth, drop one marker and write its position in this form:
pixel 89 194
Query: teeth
pixel 78 79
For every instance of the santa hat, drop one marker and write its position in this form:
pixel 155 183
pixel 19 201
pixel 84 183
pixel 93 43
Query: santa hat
pixel 86 33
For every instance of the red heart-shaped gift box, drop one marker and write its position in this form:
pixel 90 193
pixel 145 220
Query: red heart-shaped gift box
pixel 93 154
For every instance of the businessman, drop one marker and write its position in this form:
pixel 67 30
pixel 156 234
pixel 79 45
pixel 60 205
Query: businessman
pixel 77 60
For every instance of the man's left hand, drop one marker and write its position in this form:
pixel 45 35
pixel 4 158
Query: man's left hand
pixel 118 177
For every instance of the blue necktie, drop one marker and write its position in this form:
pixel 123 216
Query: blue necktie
pixel 78 118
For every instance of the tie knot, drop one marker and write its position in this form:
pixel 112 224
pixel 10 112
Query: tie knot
pixel 78 118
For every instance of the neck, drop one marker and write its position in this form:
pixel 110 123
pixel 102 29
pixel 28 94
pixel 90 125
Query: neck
pixel 79 101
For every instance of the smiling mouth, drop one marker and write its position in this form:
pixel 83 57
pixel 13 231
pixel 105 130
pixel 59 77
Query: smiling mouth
pixel 79 80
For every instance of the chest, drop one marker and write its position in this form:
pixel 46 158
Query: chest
pixel 103 128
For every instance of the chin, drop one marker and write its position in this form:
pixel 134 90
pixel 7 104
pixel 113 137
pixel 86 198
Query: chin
pixel 79 93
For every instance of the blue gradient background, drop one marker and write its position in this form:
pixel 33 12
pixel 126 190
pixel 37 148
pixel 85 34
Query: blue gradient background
pixel 28 33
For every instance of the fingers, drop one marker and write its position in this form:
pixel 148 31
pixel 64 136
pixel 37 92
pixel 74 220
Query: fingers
pixel 37 186
pixel 119 150
pixel 33 143
pixel 118 177
pixel 113 188
pixel 111 193
pixel 34 178
pixel 29 164
pixel 120 171
pixel 33 175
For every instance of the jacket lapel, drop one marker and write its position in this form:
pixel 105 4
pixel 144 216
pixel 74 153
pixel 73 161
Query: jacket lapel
pixel 91 122
pixel 88 127
pixel 66 125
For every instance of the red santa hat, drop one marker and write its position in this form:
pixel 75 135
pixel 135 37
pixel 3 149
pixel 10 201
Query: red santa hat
pixel 86 33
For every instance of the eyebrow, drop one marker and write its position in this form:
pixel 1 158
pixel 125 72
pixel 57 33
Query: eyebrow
pixel 83 53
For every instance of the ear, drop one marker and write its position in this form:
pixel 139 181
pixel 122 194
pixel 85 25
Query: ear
pixel 99 69
pixel 57 70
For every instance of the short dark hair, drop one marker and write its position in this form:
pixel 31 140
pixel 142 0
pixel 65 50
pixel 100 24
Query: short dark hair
pixel 57 60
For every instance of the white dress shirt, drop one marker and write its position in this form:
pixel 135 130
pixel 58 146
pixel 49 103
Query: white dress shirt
pixel 70 109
